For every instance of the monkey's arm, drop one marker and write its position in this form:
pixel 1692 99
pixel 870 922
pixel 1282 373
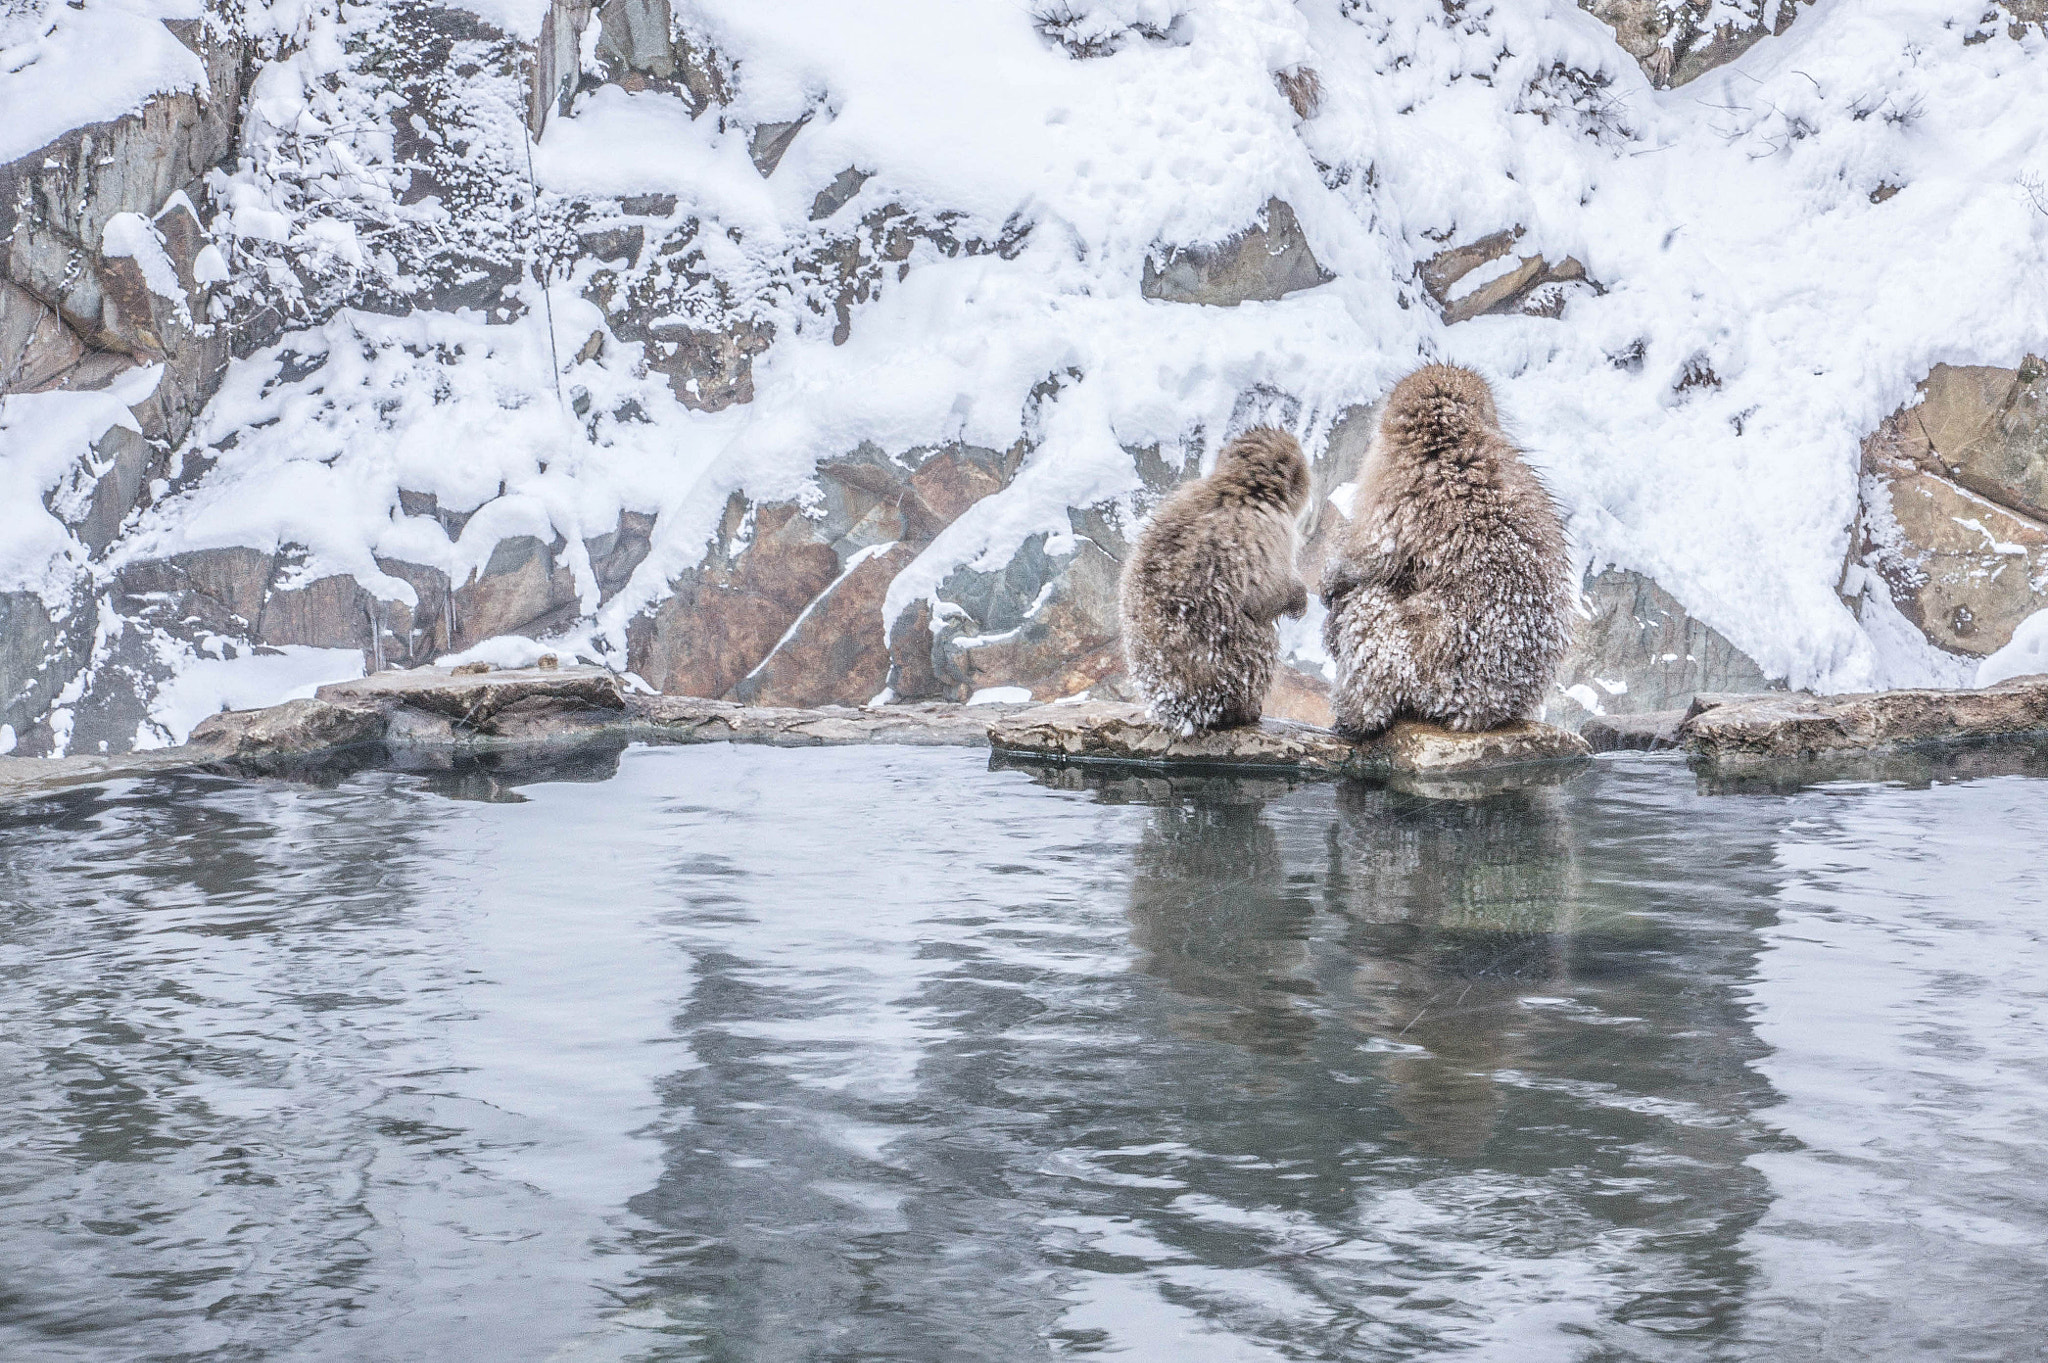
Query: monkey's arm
pixel 1383 566
pixel 1270 600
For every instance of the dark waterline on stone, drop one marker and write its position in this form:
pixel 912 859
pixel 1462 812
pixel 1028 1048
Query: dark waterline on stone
pixel 748 1053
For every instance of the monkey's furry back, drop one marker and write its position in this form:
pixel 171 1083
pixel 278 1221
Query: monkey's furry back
pixel 1210 573
pixel 1448 592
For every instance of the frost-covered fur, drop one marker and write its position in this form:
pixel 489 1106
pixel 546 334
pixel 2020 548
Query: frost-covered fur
pixel 1210 574
pixel 1448 592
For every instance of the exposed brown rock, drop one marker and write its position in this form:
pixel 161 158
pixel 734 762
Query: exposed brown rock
pixel 1986 428
pixel 523 588
pixel 724 618
pixel 1954 491
pixel 837 648
pixel 1676 41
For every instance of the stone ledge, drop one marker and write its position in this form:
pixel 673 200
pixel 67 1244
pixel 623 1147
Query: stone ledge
pixel 432 710
pixel 1117 733
pixel 1647 731
pixel 1745 730
pixel 687 719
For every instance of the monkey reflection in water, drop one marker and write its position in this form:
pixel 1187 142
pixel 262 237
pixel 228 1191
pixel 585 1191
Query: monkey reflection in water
pixel 1213 916
pixel 1455 909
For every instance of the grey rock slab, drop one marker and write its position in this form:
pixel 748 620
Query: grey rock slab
pixel 691 720
pixel 1111 732
pixel 1267 260
pixel 1798 725
pixel 1114 732
pixel 41 650
pixel 1638 650
pixel 480 700
pixel 771 140
pixel 293 728
pixel 1416 749
pixel 1649 731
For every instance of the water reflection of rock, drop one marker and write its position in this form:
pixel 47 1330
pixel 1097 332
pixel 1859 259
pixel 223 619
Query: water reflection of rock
pixel 1213 915
pixel 1455 909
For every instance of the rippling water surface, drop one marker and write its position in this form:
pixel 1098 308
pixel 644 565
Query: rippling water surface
pixel 746 1053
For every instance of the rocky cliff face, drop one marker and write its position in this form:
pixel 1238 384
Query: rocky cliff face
pixel 446 325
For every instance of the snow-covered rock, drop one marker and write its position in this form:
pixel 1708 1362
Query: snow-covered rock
pixel 823 350
pixel 1955 514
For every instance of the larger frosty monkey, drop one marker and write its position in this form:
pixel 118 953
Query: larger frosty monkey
pixel 1448 592
pixel 1211 573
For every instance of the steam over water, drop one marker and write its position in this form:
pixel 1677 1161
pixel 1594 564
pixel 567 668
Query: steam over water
pixel 753 1054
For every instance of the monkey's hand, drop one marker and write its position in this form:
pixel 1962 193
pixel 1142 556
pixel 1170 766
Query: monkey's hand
pixel 1344 575
pixel 1297 603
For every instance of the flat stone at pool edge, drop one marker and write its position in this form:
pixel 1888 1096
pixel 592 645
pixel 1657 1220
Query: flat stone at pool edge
pixel 1115 732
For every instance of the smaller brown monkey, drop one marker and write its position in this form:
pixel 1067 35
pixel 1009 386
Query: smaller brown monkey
pixel 1210 574
pixel 1448 592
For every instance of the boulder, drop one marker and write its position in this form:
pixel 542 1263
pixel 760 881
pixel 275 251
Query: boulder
pixel 1046 622
pixel 1953 494
pixel 295 727
pixel 495 703
pixel 1411 748
pixel 1638 650
pixel 1265 261
pixel 523 588
pixel 1790 726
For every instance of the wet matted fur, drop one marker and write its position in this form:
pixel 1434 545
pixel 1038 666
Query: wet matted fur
pixel 1212 571
pixel 1448 592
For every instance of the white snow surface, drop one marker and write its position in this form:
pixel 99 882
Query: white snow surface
pixel 64 66
pixel 200 685
pixel 2025 655
pixel 132 235
pixel 44 437
pixel 1730 223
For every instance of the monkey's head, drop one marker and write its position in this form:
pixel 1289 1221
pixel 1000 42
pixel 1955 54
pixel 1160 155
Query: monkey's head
pixel 1264 465
pixel 1439 409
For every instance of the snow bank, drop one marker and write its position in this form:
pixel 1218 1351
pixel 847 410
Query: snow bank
pixel 1744 230
pixel 200 686
pixel 2024 656
pixel 63 66
pixel 1732 224
pixel 43 438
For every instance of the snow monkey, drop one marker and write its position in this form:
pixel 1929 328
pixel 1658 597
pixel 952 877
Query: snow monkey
pixel 1210 574
pixel 1448 592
